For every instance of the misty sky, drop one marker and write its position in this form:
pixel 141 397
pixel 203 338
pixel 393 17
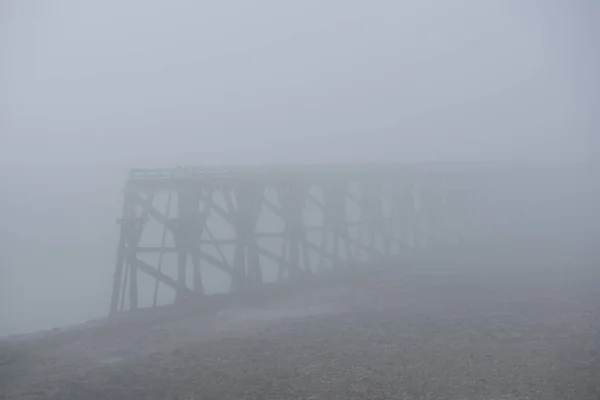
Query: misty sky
pixel 151 82
pixel 88 89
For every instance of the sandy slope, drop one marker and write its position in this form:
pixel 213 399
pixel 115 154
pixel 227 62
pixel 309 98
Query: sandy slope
pixel 503 334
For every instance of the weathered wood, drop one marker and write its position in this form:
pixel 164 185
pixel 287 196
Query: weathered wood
pixel 235 197
pixel 165 279
pixel 162 249
pixel 118 273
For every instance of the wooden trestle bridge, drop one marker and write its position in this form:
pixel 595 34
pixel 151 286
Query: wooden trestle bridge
pixel 183 227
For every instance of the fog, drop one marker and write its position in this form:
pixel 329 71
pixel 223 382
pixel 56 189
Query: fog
pixel 90 89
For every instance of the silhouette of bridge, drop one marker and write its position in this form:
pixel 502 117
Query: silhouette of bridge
pixel 251 225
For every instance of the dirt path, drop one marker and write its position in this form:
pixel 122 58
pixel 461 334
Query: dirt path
pixel 451 336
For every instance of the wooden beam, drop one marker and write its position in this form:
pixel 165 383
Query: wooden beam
pixel 216 262
pixel 167 280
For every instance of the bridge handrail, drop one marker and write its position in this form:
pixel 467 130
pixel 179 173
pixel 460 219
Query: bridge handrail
pixel 268 171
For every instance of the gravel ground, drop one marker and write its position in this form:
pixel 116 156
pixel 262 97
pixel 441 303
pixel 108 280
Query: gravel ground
pixel 498 335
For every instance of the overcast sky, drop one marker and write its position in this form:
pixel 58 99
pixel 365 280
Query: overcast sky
pixel 90 88
pixel 159 82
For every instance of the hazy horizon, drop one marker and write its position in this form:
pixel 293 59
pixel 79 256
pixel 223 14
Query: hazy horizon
pixel 88 90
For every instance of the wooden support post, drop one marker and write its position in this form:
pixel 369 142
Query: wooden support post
pixel 133 285
pixel 372 219
pixel 181 274
pixel 117 279
pixel 335 220
pixel 189 229
pixel 292 199
pixel 197 273
pixel 181 240
pixel 253 262
pixel 132 226
pixel 138 222
pixel 246 264
pixel 118 273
